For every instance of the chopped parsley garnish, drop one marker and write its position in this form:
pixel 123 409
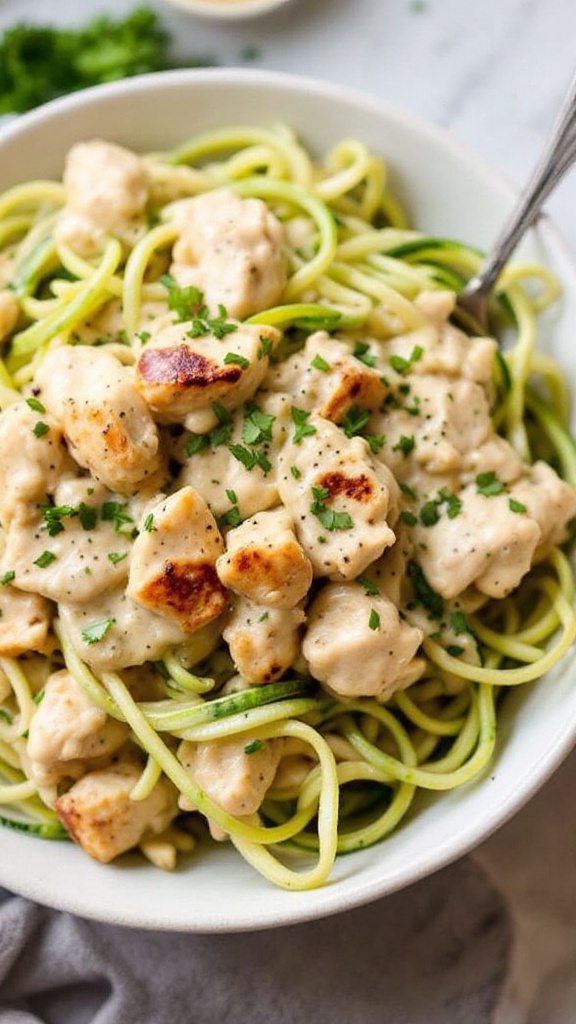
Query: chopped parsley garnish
pixel 196 443
pixel 455 650
pixel 219 326
pixel 115 512
pixel 45 559
pixel 265 347
pixel 231 518
pixel 452 502
pixel 355 420
pixel 300 419
pixel 148 524
pixel 54 514
pixel 489 484
pixel 257 425
pixel 253 747
pixel 184 301
pixel 368 585
pixel 296 473
pixel 404 444
pixel 362 352
pixel 459 623
pixel 219 435
pixel 402 365
pixel 97 631
pixel 432 602
pixel 516 506
pixel 239 360
pixel 35 404
pixel 7 578
pixel 232 497
pixel 117 556
pixel 374 619
pixel 88 515
pixel 330 519
pixel 408 517
pixel 319 363
pixel 429 514
pixel 40 428
pixel 251 457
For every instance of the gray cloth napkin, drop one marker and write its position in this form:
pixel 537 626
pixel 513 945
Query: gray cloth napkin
pixel 436 953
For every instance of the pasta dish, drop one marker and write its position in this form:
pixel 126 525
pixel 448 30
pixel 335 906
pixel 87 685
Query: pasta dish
pixel 278 529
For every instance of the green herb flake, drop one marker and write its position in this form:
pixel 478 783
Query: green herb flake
pixel 362 352
pixel 374 620
pixel 330 519
pixel 371 588
pixel 355 420
pixel 516 506
pixel 117 556
pixel 488 484
pixel 425 595
pixel 408 518
pixel 35 404
pixel 236 358
pixel 300 419
pixel 265 347
pixel 402 365
pixel 257 426
pixel 429 514
pixel 45 559
pixel 405 444
pixel 148 524
pixel 115 512
pixel 251 457
pixel 88 516
pixel 7 578
pixel 253 747
pixel 296 473
pixel 96 632
pixel 459 623
pixel 185 302
pixel 40 428
pixel 319 363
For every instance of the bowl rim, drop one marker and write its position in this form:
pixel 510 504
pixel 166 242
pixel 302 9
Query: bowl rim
pixel 328 901
pixel 227 10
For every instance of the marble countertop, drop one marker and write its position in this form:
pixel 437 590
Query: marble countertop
pixel 492 72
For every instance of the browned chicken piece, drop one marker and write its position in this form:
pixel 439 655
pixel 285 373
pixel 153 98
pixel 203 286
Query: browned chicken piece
pixel 339 499
pixel 234 773
pixel 232 249
pixel 265 562
pixel 264 641
pixel 173 564
pixel 104 821
pixel 181 376
pixel 106 190
pixel 357 645
pixel 106 422
pixel 326 377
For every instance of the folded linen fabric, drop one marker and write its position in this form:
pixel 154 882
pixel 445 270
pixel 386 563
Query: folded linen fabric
pixel 435 953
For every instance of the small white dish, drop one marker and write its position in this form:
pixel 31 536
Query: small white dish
pixel 449 192
pixel 227 10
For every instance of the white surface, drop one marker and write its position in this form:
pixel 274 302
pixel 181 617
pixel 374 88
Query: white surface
pixel 492 71
pixel 219 892
pixel 227 10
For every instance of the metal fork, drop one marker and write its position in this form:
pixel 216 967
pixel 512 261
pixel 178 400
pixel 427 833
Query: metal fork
pixel 557 157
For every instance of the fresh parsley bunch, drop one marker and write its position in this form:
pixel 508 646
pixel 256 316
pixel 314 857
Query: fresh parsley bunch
pixel 38 63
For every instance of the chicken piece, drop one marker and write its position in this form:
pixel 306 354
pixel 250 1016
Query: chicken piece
pixel 67 730
pixel 357 645
pixel 24 622
pixel 62 550
pixel 437 305
pixel 9 313
pixel 106 194
pixel 112 632
pixel 32 459
pixel 181 377
pixel 445 351
pixel 486 544
pixel 104 821
pixel 441 418
pixel 173 565
pixel 232 249
pixel 337 497
pixel 325 377
pixel 222 478
pixel 265 562
pixel 107 424
pixel 232 772
pixel 264 641
pixel 547 499
pixel 496 456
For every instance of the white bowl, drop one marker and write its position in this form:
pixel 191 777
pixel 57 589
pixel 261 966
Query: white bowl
pixel 450 192
pixel 227 10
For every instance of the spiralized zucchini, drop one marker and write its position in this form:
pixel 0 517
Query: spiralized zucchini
pixel 367 761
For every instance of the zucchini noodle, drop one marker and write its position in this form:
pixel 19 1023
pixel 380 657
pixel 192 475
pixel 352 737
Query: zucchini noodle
pixel 351 765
